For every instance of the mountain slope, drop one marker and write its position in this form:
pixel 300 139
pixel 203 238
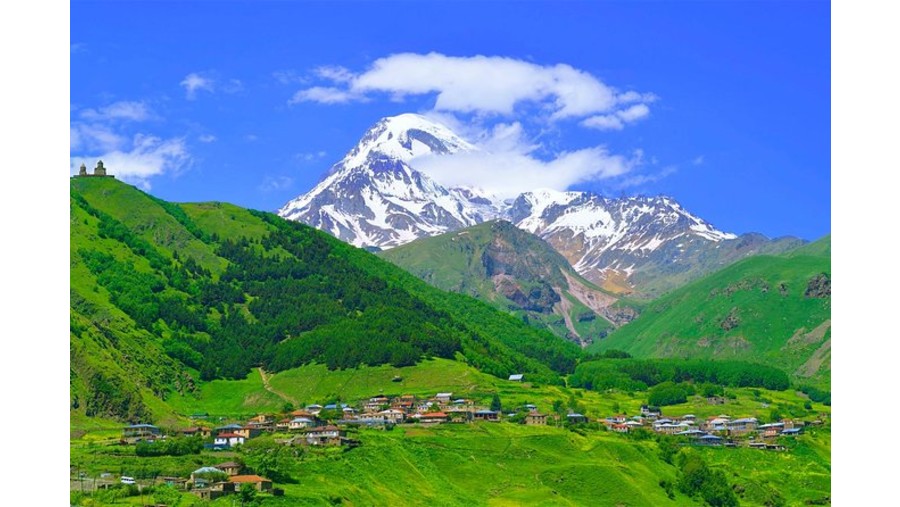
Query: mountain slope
pixel 163 292
pixel 642 246
pixel 514 271
pixel 771 309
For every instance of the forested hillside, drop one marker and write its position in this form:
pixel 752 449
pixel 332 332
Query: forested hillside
pixel 162 292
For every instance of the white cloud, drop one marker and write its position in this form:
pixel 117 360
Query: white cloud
pixel 194 82
pixel 94 137
pixel 123 110
pixel 618 119
pixel 698 161
pixel 325 95
pixel 505 165
pixel 146 157
pixel 604 122
pixel 207 138
pixel 634 113
pixel 334 73
pixel 485 85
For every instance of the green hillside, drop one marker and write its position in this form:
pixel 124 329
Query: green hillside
pixel 478 464
pixel 768 309
pixel 164 296
pixel 514 271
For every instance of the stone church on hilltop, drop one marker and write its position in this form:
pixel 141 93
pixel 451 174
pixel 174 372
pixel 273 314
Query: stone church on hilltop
pixel 98 171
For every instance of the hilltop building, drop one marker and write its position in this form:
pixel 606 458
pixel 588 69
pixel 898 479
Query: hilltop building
pixel 100 170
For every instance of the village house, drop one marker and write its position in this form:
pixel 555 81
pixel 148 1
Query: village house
pixel 260 483
pixel 618 427
pixel 229 467
pixel 229 428
pixel 443 398
pixel 248 432
pixel 536 419
pixel 432 418
pixel 618 418
pixel 669 427
pixel 633 425
pixel 486 415
pixel 300 423
pixel 715 400
pixel 742 426
pixel 228 440
pixel 262 418
pixel 214 490
pixel 791 432
pixel 138 432
pixel 576 418
pixel 314 409
pixel 196 431
pixel 405 403
pixel 771 430
pixel 324 435
pixel 719 423
pixel 710 440
pixel 376 404
pixel 392 416
pixel 650 411
pixel 518 377
pixel 261 427
pixel 458 414
pixel 283 425
pixel 691 433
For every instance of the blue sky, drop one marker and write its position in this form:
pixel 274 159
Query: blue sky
pixel 725 106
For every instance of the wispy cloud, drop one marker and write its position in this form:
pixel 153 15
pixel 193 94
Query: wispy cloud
pixel 195 82
pixel 123 110
pixel 144 156
pixel 326 95
pixel 642 179
pixel 486 85
pixel 335 73
pixel 619 119
pixel 289 76
pixel 207 138
pixel 311 156
pixel 698 160
pixel 272 183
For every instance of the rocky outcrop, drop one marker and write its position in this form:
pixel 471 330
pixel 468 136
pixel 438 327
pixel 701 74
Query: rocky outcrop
pixel 819 286
pixel 731 321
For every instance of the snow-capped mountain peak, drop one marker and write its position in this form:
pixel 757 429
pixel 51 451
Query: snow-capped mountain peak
pixel 374 198
pixel 405 137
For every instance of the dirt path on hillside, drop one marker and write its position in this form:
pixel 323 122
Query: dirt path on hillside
pixel 267 387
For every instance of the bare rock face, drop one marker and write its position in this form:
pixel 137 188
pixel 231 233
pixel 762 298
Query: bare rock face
pixel 819 286
pixel 731 321
pixel 620 316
